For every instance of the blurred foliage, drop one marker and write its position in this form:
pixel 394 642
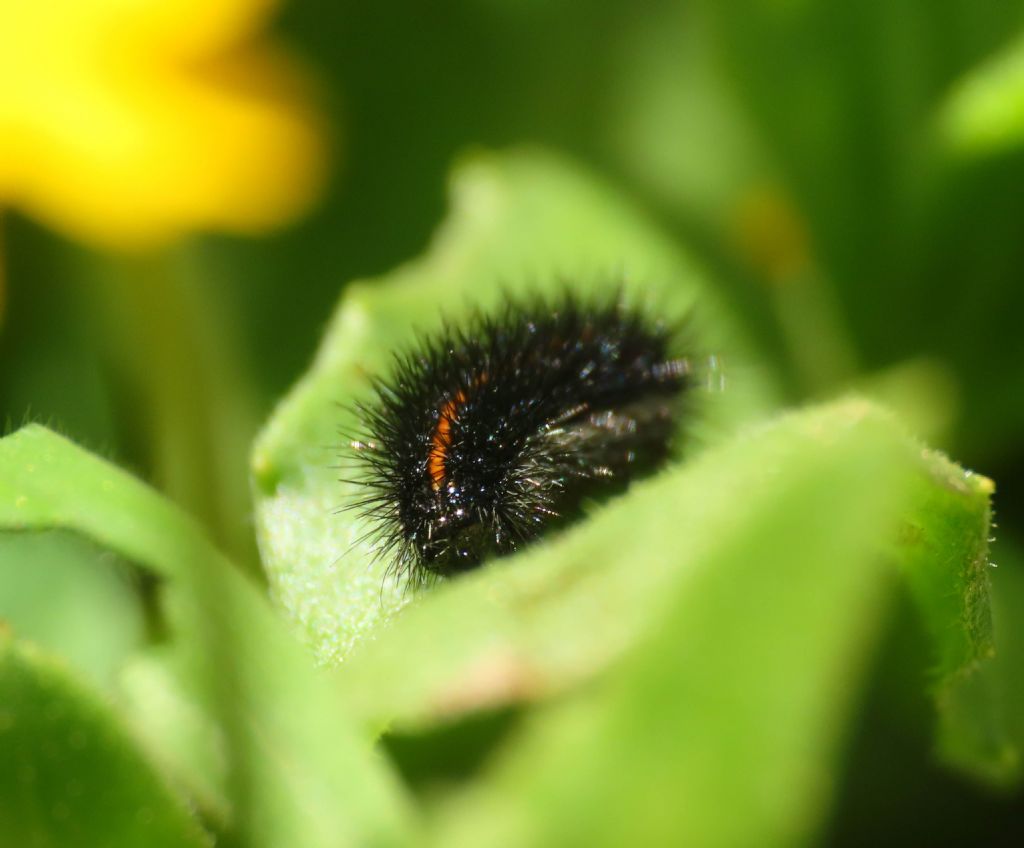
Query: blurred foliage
pixel 72 775
pixel 836 185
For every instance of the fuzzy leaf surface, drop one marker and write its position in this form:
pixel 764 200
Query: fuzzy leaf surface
pixel 234 656
pixel 739 695
pixel 522 222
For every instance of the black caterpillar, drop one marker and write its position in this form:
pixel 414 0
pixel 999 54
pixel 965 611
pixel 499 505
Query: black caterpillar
pixel 487 434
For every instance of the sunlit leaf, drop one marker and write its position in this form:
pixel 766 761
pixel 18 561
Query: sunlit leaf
pixel 725 726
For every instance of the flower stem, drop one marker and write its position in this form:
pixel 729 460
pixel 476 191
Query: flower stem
pixel 187 405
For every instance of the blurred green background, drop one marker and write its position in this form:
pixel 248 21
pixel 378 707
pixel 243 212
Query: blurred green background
pixel 851 174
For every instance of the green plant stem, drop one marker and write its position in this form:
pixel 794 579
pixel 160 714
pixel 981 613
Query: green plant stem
pixel 175 365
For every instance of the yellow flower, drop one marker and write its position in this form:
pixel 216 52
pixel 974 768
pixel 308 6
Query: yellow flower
pixel 127 123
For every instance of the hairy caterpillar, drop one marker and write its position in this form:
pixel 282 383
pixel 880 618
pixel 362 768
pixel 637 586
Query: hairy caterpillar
pixel 487 434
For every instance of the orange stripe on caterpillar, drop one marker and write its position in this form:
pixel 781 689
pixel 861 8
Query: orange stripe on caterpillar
pixel 441 440
pixel 437 457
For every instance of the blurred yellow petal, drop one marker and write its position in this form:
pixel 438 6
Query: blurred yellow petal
pixel 130 122
pixel 188 27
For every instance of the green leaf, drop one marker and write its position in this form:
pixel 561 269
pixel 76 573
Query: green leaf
pixel 726 723
pixel 235 657
pixel 982 709
pixel 70 774
pixel 47 483
pixel 984 113
pixel 63 594
pixel 177 732
pixel 520 222
pixel 513 632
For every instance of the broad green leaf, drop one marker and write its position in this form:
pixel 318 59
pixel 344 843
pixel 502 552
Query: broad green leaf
pixel 300 771
pixel 177 732
pixel 725 725
pixel 65 595
pixel 515 633
pixel 274 710
pixel 520 222
pixel 47 483
pixel 70 774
